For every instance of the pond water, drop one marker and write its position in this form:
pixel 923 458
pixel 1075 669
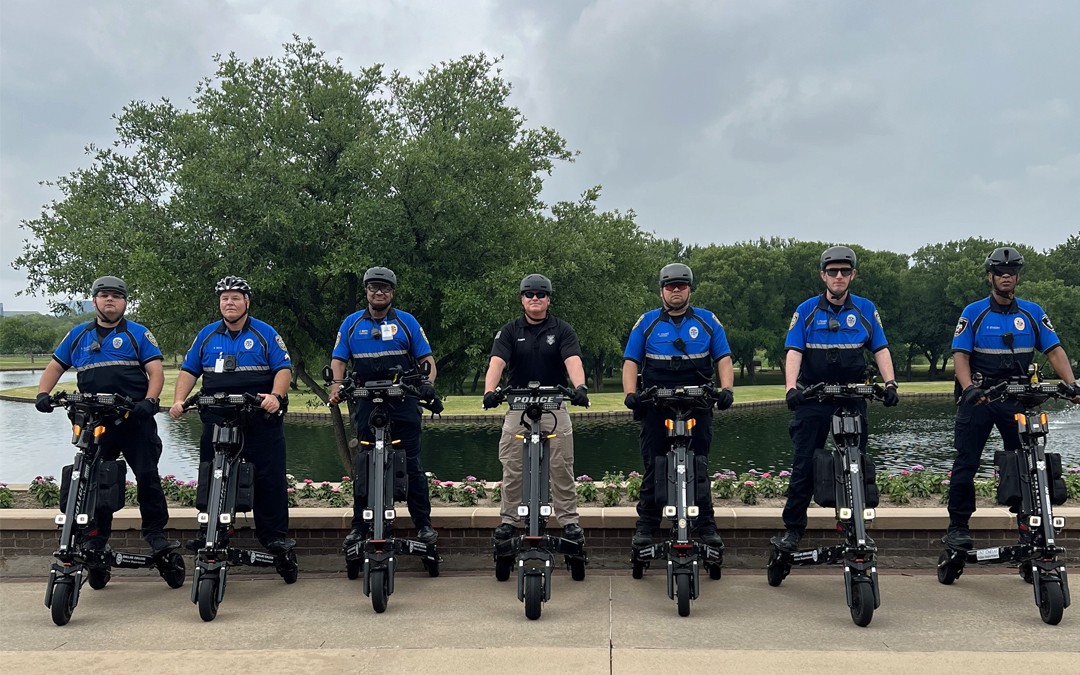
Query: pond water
pixel 916 432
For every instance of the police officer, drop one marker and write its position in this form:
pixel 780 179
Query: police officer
pixel 997 338
pixel 675 345
pixel 242 355
pixel 825 343
pixel 377 339
pixel 538 347
pixel 115 356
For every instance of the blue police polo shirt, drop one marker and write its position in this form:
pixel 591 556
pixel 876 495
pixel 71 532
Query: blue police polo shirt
pixel 674 351
pixel 244 363
pixel 986 329
pixel 832 339
pixel 377 345
pixel 115 364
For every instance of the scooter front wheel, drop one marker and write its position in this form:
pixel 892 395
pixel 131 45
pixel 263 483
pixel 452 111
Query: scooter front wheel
pixel 63 601
pixel 862 603
pixel 1051 602
pixel 948 569
pixel 173 570
pixel 534 595
pixel 208 598
pixel 380 592
pixel 682 593
pixel 776 570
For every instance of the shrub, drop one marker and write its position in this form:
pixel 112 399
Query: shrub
pixel 586 489
pixel 45 491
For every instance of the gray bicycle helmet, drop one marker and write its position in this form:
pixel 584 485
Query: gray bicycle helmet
pixel 676 272
pixel 536 282
pixel 231 283
pixel 381 274
pixel 1004 256
pixel 838 254
pixel 115 284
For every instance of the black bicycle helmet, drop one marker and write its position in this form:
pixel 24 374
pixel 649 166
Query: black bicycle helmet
pixel 231 283
pixel 838 254
pixel 1004 256
pixel 115 284
pixel 381 274
pixel 536 282
pixel 676 272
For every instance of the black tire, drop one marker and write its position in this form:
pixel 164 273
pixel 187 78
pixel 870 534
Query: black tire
pixel 1051 605
pixel 63 601
pixel 577 569
pixel 947 570
pixel 208 600
pixel 715 571
pixel 352 569
pixel 98 577
pixel 534 595
pixel 288 569
pixel 682 593
pixel 379 590
pixel 503 567
pixel 638 571
pixel 174 570
pixel 432 567
pixel 1025 571
pixel 776 570
pixel 862 603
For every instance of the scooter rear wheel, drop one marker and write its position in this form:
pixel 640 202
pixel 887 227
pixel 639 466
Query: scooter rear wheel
pixel 715 571
pixel 174 570
pixel 98 577
pixel 862 603
pixel 577 569
pixel 682 593
pixel 639 570
pixel 534 595
pixel 208 600
pixel 352 569
pixel 776 570
pixel 948 570
pixel 380 593
pixel 432 567
pixel 1025 571
pixel 288 569
pixel 63 601
pixel 1052 602
pixel 503 567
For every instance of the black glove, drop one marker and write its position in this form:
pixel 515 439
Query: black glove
pixel 491 400
pixel 1072 390
pixel 427 391
pixel 145 409
pixel 794 398
pixel 436 406
pixel 891 398
pixel 632 400
pixel 43 402
pixel 580 396
pixel 725 398
pixel 972 395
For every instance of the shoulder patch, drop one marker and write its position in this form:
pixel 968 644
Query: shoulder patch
pixel 961 326
pixel 424 335
pixel 153 340
pixel 794 320
pixel 337 340
pixel 877 317
pixel 1046 322
pixel 498 334
pixel 280 343
pixel 638 322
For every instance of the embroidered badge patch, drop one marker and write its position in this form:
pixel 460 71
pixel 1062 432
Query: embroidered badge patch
pixel 794 320
pixel 1046 322
pixel 153 340
pixel 961 326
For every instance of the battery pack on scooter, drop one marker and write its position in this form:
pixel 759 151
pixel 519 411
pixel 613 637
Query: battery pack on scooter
pixel 824 478
pixel 245 486
pixel 111 475
pixel 1008 463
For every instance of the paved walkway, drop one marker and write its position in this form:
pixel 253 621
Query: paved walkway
pixel 470 623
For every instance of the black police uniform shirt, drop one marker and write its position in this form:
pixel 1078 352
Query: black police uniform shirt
pixel 536 352
pixel 832 338
pixel 377 345
pixel 109 360
pixel 677 351
pixel 1001 339
pixel 245 363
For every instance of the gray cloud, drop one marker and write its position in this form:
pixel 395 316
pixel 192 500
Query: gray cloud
pixel 887 124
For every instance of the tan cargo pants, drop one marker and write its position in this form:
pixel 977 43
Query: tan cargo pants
pixel 561 464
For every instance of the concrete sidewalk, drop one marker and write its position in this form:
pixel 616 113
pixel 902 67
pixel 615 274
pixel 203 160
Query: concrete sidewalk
pixel 608 623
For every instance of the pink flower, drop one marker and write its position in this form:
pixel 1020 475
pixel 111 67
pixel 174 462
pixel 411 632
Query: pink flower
pixel 325 483
pixel 345 478
pixel 784 474
pixel 335 489
pixel 749 483
pixel 291 490
pixel 470 489
pixel 448 483
pixel 766 475
pixel 470 478
pixel 905 472
pixel 169 477
pixel 584 478
pixel 918 467
pixel 753 471
pixel 308 481
pixel 634 474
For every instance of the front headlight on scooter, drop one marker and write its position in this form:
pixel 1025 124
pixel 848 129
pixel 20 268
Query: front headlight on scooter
pixel 692 511
pixel 225 518
pixel 669 511
pixel 369 514
pixel 389 514
pixel 869 514
pixel 523 511
pixel 1035 521
pixel 545 510
pixel 845 513
pixel 60 518
pixel 1059 522
pixel 203 518
pixel 82 519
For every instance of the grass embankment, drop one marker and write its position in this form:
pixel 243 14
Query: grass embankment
pixel 611 400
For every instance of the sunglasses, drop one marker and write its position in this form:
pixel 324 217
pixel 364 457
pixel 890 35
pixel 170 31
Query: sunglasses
pixel 1002 271
pixel 676 286
pixel 380 288
pixel 539 295
pixel 839 271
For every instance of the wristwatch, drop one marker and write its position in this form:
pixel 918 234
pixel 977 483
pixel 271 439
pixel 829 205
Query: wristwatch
pixel 892 384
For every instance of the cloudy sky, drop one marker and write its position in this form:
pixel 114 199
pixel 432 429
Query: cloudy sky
pixel 888 124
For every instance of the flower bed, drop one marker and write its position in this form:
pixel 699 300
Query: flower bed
pixel 909 487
